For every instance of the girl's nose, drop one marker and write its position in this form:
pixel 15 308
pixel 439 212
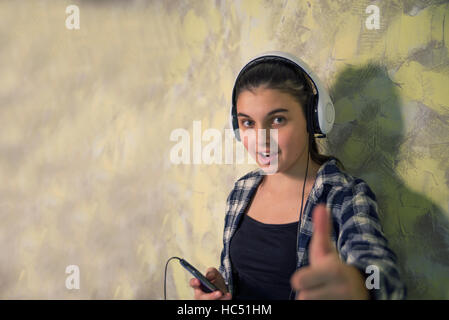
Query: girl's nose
pixel 266 136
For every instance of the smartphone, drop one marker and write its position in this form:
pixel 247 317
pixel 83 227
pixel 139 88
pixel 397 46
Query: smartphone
pixel 206 285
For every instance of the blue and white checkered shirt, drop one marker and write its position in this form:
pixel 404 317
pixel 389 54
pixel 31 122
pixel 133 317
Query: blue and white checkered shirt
pixel 360 242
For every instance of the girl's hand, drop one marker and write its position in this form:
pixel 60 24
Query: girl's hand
pixel 327 277
pixel 214 276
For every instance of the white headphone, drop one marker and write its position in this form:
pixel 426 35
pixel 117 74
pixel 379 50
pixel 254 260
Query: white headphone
pixel 320 115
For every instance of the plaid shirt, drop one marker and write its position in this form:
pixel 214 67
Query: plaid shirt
pixel 360 242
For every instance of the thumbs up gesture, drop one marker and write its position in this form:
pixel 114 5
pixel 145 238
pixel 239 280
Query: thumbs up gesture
pixel 326 277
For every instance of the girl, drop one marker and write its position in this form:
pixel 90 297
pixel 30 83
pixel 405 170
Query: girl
pixel 336 248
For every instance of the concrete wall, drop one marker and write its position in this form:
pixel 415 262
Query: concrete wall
pixel 86 117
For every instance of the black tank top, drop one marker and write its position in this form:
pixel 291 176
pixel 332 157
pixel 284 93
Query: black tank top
pixel 263 258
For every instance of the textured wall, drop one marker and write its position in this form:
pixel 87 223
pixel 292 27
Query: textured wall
pixel 86 116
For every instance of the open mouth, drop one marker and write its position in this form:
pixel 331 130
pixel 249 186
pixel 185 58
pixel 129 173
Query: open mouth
pixel 266 157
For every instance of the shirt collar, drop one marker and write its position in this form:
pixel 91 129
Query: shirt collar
pixel 330 166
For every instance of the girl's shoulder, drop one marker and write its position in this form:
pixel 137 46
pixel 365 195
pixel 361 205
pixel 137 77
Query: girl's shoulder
pixel 252 176
pixel 244 184
pixel 334 180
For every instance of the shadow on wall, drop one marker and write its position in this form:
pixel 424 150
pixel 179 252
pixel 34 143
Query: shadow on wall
pixel 367 136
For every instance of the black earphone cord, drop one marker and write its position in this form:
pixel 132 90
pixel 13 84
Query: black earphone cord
pixel 300 215
pixel 165 276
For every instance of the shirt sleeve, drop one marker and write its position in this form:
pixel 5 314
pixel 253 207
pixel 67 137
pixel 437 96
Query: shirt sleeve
pixel 362 243
pixel 222 268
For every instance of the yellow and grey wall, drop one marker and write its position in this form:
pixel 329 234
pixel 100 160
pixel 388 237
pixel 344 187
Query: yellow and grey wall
pixel 86 117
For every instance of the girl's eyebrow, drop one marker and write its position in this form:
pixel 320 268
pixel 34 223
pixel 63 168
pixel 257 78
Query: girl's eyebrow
pixel 269 113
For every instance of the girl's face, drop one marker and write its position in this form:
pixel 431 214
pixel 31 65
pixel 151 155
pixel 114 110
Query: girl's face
pixel 272 109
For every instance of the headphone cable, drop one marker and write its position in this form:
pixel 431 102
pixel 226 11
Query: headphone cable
pixel 300 216
pixel 165 276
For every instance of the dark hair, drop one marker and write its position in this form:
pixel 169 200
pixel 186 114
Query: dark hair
pixel 288 79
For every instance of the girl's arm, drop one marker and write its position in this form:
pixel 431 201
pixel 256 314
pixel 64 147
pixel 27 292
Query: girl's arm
pixel 362 243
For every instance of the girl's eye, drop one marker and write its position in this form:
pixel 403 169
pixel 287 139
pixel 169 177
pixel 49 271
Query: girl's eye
pixel 282 119
pixel 245 121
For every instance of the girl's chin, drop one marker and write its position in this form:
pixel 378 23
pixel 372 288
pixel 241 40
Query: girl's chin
pixel 269 170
